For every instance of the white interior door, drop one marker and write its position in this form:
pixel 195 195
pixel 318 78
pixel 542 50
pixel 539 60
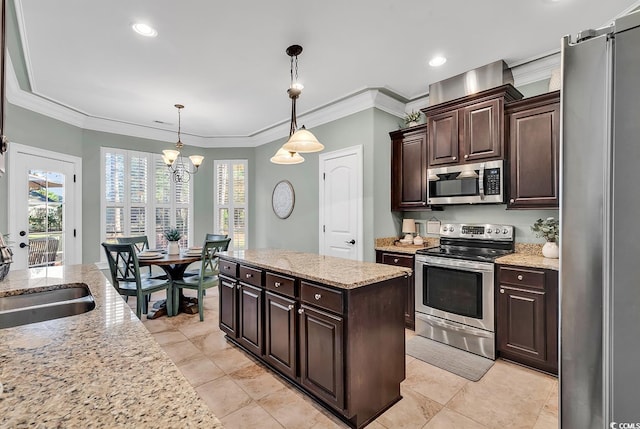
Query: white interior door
pixel 341 203
pixel 44 214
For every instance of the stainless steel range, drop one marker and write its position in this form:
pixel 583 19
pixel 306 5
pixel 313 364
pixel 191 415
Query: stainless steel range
pixel 455 286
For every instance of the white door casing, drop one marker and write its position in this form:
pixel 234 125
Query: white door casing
pixel 341 201
pixel 22 159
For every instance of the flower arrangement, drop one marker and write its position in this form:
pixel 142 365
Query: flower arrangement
pixel 412 117
pixel 549 229
pixel 172 234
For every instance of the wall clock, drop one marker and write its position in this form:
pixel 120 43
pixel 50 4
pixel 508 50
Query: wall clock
pixel 283 199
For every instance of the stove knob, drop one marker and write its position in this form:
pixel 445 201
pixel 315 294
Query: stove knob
pixel 450 229
pixel 497 231
pixel 489 230
pixel 505 231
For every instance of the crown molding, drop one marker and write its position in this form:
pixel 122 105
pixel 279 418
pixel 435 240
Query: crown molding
pixel 381 98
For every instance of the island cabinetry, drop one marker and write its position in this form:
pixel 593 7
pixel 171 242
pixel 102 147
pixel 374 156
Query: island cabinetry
pixel 534 137
pixel 409 169
pixel 228 306
pixel 251 292
pixel 343 346
pixel 468 129
pixel 403 260
pixel 527 316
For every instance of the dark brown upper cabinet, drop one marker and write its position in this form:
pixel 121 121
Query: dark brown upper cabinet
pixel 533 128
pixel 409 169
pixel 468 129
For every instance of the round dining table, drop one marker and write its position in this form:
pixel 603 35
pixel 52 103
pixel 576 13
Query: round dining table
pixel 174 267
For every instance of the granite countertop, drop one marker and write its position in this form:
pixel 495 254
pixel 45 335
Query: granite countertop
pixel 98 369
pixel 387 245
pixel 338 272
pixel 529 255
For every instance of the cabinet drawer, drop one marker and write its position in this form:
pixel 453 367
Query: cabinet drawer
pixel 250 275
pixel 280 284
pixel 522 277
pixel 228 268
pixel 322 297
pixel 398 260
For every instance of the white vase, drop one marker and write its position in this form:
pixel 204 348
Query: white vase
pixel 412 124
pixel 550 250
pixel 173 248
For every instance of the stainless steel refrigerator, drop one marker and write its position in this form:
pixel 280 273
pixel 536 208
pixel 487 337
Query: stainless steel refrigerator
pixel 600 228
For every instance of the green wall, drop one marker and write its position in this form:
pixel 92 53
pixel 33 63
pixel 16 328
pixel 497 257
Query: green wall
pixel 32 129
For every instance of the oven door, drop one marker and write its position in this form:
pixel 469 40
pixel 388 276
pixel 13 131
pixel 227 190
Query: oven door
pixel 457 290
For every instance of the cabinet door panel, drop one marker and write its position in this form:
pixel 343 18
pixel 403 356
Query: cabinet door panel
pixel 482 131
pixel 280 333
pixel 321 355
pixel 250 318
pixel 409 170
pixel 443 138
pixel 534 153
pixel 522 323
pixel 227 307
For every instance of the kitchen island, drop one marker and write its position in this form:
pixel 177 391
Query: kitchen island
pixel 101 368
pixel 333 327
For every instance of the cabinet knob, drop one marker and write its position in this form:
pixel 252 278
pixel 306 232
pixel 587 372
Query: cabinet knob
pixel 512 201
pixel 277 284
pixel 466 156
pixel 300 310
pixel 520 277
pixel 395 261
pixel 317 296
pixel 501 290
pixel 291 307
pixel 454 158
pixel 238 287
pixel 424 203
pixel 248 276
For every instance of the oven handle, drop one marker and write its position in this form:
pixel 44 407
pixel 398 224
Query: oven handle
pixel 453 326
pixel 480 267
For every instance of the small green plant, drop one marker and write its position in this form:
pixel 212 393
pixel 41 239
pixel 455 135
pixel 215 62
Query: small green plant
pixel 172 234
pixel 412 117
pixel 549 229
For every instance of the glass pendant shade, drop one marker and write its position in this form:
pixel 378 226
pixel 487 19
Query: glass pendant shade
pixel 196 160
pixel 285 157
pixel 303 141
pixel 170 155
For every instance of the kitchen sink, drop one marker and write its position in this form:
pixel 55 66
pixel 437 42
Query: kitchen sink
pixel 34 307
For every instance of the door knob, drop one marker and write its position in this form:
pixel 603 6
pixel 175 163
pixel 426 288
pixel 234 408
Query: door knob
pixel 22 233
pixel 352 241
pixel 23 245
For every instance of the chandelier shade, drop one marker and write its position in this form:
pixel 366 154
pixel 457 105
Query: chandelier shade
pixel 300 140
pixel 173 159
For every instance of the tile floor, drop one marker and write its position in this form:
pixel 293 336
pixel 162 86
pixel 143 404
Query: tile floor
pixel 245 394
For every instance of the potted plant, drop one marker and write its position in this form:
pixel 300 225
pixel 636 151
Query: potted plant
pixel 173 236
pixel 412 118
pixel 549 229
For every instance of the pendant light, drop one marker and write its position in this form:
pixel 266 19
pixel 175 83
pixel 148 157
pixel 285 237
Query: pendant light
pixel 300 140
pixel 174 160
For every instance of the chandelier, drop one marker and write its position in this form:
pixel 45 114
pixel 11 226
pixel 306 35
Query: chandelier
pixel 175 162
pixel 300 139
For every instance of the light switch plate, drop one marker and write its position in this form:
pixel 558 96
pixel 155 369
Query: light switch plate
pixel 433 227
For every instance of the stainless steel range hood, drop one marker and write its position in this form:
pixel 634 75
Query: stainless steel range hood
pixel 476 80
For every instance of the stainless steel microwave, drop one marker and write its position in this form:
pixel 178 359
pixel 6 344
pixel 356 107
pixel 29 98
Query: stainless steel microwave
pixel 477 183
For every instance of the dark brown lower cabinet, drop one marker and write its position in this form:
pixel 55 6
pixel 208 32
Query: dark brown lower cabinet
pixel 280 333
pixel 344 347
pixel 408 261
pixel 321 355
pixel 228 306
pixel 250 317
pixel 527 315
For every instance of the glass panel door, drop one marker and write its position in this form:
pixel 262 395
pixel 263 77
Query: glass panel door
pixel 46 202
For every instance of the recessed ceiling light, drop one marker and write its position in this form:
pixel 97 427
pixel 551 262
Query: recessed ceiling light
pixel 437 61
pixel 144 29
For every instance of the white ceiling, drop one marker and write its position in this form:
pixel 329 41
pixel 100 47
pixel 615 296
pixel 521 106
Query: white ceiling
pixel 226 61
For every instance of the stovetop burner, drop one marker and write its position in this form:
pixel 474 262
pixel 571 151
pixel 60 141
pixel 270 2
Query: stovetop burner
pixel 474 242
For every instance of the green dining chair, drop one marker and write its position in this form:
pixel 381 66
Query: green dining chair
pixel 141 242
pixel 208 275
pixel 211 236
pixel 126 279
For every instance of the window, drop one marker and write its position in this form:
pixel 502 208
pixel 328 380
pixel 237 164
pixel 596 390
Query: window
pixel 230 201
pixel 140 198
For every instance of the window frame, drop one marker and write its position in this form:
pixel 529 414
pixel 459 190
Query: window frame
pixel 232 205
pixel 150 205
